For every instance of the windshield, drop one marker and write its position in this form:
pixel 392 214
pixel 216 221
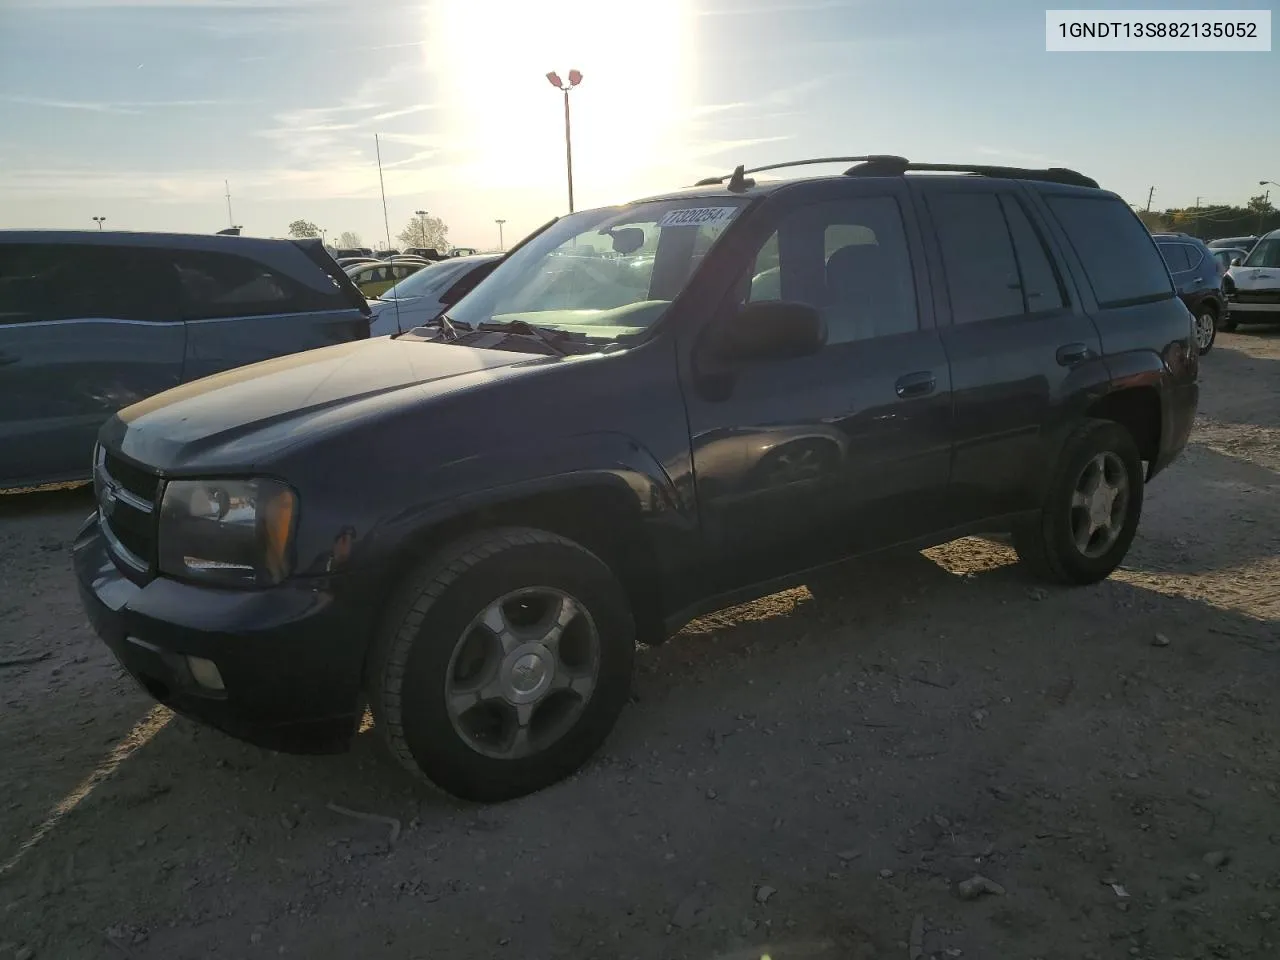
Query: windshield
pixel 429 280
pixel 1265 254
pixel 607 274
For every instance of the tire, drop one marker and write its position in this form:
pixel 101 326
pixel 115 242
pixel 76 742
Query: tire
pixel 1206 328
pixel 433 649
pixel 1048 546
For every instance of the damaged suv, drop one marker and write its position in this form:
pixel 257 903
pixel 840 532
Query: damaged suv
pixel 644 413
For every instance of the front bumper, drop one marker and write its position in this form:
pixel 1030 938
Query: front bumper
pixel 290 657
pixel 1253 312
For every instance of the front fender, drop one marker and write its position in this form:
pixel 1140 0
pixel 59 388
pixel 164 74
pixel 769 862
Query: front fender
pixel 465 486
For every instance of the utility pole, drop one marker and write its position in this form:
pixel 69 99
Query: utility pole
pixel 231 222
pixel 1150 193
pixel 422 227
pixel 502 247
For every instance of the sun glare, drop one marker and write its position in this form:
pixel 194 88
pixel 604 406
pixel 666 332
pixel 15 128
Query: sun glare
pixel 506 121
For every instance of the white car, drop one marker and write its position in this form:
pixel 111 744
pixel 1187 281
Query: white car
pixel 422 297
pixel 1253 287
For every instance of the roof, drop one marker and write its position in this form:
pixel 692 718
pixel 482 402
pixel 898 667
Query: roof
pixel 740 183
pixel 204 241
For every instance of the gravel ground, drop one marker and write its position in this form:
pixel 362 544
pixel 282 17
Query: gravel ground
pixel 811 778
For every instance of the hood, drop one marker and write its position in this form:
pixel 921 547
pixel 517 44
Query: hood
pixel 1255 278
pixel 233 419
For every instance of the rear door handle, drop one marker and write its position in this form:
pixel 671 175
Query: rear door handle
pixel 919 384
pixel 1069 354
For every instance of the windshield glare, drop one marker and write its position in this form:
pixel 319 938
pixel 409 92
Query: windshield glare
pixel 428 280
pixel 606 274
pixel 1265 254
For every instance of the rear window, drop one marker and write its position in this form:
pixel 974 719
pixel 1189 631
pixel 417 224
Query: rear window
pixel 215 285
pixel 1119 256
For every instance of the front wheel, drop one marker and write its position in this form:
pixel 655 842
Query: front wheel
pixel 1091 510
pixel 1206 328
pixel 503 665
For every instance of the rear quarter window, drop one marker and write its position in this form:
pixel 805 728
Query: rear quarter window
pixel 217 285
pixel 1120 258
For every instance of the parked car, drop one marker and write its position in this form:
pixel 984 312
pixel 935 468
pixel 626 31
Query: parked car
pixel 427 253
pixel 1244 243
pixel 375 278
pixel 463 252
pixel 91 322
pixel 1226 257
pixel 996 351
pixel 1253 287
pixel 346 263
pixel 425 295
pixel 1198 281
pixel 344 253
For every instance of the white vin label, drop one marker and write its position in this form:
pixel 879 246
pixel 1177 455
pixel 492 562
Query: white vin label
pixel 1152 31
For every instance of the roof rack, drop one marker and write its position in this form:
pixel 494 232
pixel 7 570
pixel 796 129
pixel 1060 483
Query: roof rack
pixel 886 165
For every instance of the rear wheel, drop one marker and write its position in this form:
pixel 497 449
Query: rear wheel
pixel 1092 508
pixel 503 665
pixel 1206 327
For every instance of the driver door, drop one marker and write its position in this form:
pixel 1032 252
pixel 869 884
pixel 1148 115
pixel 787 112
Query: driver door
pixel 799 462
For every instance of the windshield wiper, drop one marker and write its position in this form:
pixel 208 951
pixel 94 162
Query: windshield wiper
pixel 448 331
pixel 529 330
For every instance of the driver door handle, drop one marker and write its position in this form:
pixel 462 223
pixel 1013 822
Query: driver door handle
pixel 919 384
pixel 1069 354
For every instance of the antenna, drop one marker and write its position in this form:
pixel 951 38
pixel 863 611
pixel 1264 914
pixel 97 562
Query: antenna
pixel 230 219
pixel 386 222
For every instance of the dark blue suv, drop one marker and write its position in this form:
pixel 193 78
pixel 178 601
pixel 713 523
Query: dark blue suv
pixel 1198 279
pixel 644 413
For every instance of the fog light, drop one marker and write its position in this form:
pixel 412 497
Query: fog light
pixel 205 673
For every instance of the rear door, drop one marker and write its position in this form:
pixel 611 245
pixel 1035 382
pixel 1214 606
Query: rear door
pixel 85 329
pixel 240 310
pixel 1015 335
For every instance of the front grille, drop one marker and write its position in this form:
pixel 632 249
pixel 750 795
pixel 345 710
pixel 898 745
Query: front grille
pixel 128 512
pixel 1256 296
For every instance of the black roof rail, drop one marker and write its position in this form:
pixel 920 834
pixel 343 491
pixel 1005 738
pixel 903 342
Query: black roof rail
pixel 741 172
pixel 887 165
pixel 1047 174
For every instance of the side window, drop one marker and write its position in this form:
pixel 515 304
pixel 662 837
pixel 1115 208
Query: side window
pixel 1175 255
pixel 1041 285
pixel 847 258
pixel 71 281
pixel 1194 256
pixel 977 255
pixel 1119 256
pixel 219 285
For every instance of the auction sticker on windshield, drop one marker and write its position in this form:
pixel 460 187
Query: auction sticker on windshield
pixel 698 217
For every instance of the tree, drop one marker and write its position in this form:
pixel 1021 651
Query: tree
pixel 303 229
pixel 425 232
pixel 349 240
pixel 1261 205
pixel 1153 221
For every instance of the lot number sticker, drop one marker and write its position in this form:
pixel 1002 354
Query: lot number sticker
pixel 698 217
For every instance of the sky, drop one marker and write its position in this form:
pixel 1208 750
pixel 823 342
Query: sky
pixel 140 110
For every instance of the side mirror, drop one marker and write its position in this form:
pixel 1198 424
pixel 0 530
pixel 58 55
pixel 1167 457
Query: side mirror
pixel 1235 261
pixel 772 330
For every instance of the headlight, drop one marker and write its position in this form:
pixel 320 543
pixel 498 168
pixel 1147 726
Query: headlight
pixel 230 532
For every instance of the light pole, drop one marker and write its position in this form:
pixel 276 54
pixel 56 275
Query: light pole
pixel 99 221
pixel 1267 195
pixel 575 78
pixel 324 237
pixel 501 246
pixel 422 227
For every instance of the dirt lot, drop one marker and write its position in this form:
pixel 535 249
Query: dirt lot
pixel 807 777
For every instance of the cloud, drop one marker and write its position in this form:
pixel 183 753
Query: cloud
pixel 110 106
